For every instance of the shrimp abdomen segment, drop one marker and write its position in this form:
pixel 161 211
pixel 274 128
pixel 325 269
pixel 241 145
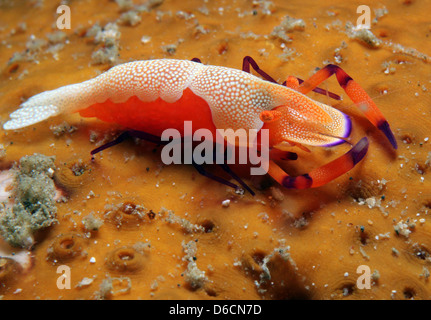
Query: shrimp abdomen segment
pixel 154 116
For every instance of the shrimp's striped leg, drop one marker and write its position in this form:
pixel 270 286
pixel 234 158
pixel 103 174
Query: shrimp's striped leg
pixel 278 154
pixel 127 135
pixel 323 91
pixel 207 174
pixel 282 155
pixel 355 92
pixel 323 174
pixel 228 170
pixel 294 82
pixel 249 61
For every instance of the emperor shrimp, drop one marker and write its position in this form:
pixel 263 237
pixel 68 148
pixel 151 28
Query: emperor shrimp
pixel 148 97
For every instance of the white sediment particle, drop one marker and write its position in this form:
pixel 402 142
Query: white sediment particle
pixel 288 53
pixel 386 235
pixel 379 13
pixel 402 228
pixel 184 223
pixel 195 277
pixel 375 275
pixel 425 273
pixel 225 203
pixel 145 39
pixel 19 290
pixel 184 15
pixel 91 194
pixel 154 285
pixel 170 48
pixel 131 18
pixel 50 172
pixel 381 183
pixel 125 5
pixel 366 36
pixel 289 24
pixel 284 254
pixel 114 286
pixel 372 202
pixel 363 35
pixel 62 128
pixel 398 48
pixel 109 36
pixel 85 282
pixel 363 253
pixel 92 223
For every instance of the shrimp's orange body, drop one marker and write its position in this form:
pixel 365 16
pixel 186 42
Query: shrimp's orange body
pixel 155 116
pixel 155 95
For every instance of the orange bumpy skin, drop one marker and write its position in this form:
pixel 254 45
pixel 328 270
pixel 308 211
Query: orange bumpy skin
pixel 155 95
